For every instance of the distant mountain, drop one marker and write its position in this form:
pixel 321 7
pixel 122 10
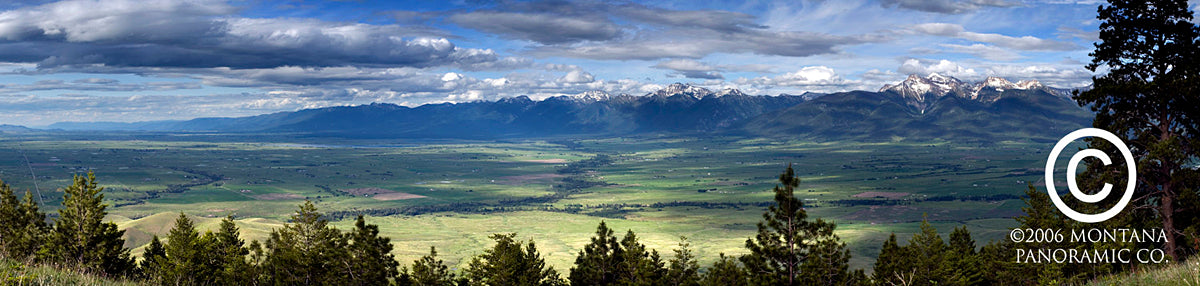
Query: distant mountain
pixel 14 129
pixel 931 107
pixel 920 92
pixel 678 108
pixel 919 107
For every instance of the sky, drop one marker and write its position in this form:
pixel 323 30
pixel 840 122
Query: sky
pixel 137 60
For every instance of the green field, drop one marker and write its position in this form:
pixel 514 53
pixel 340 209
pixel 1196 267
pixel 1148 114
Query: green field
pixel 453 194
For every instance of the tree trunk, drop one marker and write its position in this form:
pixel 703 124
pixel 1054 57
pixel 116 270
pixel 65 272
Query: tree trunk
pixel 1167 211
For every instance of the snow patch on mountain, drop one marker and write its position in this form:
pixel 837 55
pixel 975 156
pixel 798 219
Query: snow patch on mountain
pixel 920 91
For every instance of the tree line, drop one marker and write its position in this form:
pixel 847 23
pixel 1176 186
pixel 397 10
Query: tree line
pixel 788 249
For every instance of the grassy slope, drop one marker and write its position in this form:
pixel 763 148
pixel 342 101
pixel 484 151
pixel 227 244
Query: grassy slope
pixel 13 272
pixel 1187 273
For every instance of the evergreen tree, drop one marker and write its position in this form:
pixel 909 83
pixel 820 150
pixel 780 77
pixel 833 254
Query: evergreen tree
pixel 726 271
pixel 1147 98
pixel 682 269
pixel 372 262
pixel 228 255
pixel 928 252
pixel 828 263
pixel 22 226
pixel 599 261
pixel 430 271
pixel 893 265
pixel 404 278
pixel 307 251
pixel 637 265
pixel 507 263
pixel 153 260
pixel 962 260
pixel 257 273
pixel 997 261
pixel 786 239
pixel 81 238
pixel 185 255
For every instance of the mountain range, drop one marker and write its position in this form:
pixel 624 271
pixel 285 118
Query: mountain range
pixel 935 106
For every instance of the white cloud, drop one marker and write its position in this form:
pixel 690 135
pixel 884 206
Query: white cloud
pixel 810 78
pixel 577 76
pixel 943 67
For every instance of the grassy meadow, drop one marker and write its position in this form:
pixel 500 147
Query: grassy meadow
pixel 454 194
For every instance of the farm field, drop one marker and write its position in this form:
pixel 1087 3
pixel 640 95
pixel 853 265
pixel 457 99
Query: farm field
pixel 454 194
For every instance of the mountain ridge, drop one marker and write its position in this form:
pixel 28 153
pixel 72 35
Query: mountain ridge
pixel 918 106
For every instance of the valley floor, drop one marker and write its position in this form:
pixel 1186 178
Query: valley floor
pixel 452 195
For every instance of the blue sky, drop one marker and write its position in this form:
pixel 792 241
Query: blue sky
pixel 125 60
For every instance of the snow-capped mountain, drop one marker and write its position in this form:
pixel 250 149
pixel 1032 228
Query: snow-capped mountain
pixel 730 91
pixel 590 96
pixel 919 91
pixel 685 89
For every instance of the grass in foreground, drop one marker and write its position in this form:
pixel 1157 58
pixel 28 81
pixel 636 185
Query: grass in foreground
pixel 13 272
pixel 1187 273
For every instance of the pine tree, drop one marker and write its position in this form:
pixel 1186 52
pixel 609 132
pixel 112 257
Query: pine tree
pixel 1148 99
pixel 431 271
pixel 725 271
pixel 682 269
pixel 228 255
pixel 507 263
pixel 599 261
pixel 893 266
pixel 962 260
pixel 371 255
pixel 153 261
pixel 185 253
pixel 306 251
pixel 22 226
pixel 997 259
pixel 786 239
pixel 81 238
pixel 928 252
pixel 828 263
pixel 637 265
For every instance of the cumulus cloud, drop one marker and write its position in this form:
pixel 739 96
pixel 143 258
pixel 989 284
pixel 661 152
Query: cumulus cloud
pixel 809 78
pixel 814 75
pixel 947 6
pixel 578 77
pixel 943 67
